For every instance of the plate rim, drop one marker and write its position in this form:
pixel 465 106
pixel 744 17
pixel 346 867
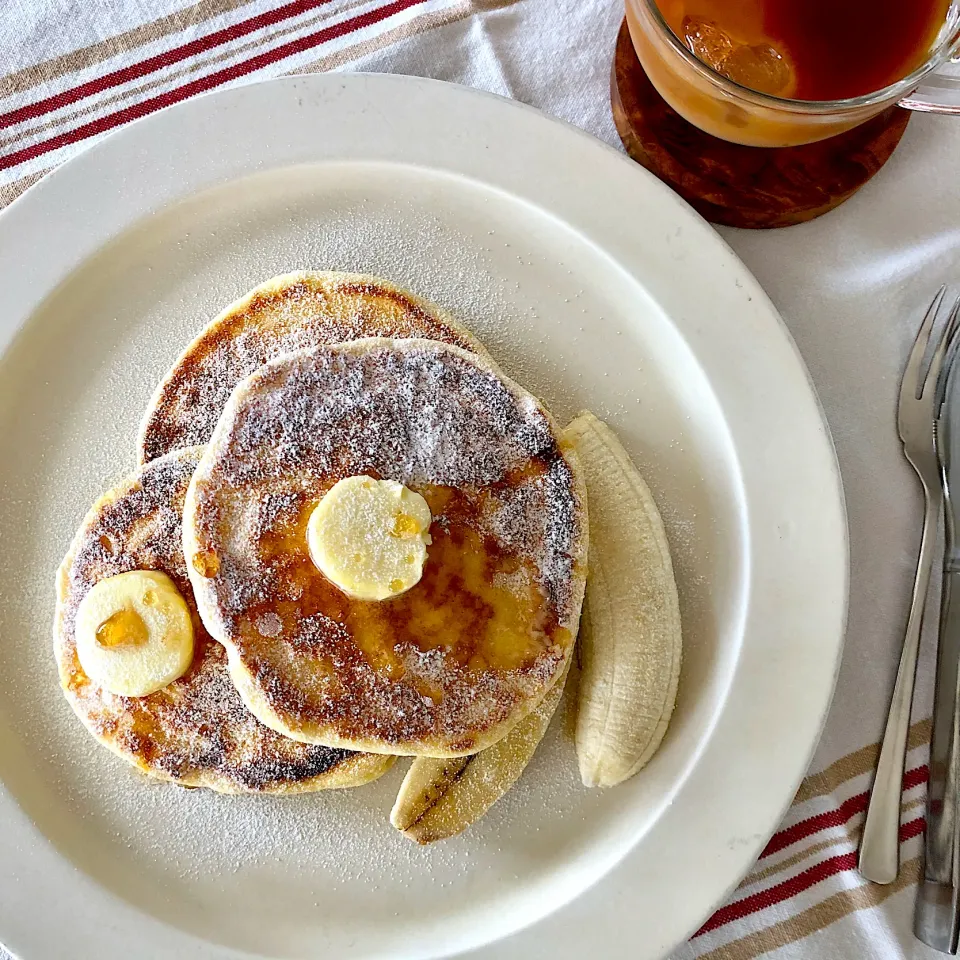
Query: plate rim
pixel 56 195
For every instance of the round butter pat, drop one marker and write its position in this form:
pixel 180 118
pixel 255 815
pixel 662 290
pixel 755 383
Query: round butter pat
pixel 370 537
pixel 134 633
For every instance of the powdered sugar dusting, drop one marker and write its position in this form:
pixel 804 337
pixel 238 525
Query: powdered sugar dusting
pixel 325 865
pixel 195 730
pixel 289 313
pixel 435 419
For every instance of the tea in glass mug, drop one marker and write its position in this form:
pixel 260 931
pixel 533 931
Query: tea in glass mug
pixel 786 72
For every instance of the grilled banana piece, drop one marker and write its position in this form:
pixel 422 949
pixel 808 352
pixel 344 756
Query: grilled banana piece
pixel 441 798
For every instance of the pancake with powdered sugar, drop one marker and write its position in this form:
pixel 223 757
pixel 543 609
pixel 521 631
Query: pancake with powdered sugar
pixel 450 666
pixel 195 731
pixel 288 313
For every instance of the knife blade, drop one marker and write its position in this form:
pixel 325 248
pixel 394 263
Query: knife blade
pixel 937 912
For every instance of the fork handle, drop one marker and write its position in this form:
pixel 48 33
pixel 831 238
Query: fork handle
pixel 880 843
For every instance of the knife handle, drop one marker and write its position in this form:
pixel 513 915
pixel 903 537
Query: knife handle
pixel 936 921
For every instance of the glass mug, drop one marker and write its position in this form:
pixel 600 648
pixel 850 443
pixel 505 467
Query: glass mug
pixel 728 110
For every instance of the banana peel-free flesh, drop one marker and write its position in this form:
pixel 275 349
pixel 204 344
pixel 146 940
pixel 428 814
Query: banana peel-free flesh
pixel 630 635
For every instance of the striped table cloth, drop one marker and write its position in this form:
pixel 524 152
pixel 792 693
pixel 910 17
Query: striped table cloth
pixel 70 73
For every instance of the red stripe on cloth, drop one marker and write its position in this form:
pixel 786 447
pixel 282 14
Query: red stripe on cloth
pixel 794 885
pixel 835 818
pixel 167 58
pixel 145 107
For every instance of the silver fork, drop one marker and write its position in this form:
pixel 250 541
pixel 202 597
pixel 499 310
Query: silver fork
pixel 917 411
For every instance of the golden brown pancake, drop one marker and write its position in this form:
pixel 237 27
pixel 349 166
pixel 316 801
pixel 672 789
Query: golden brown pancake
pixel 195 731
pixel 450 666
pixel 287 313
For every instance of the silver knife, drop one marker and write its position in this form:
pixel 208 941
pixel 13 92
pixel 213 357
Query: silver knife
pixel 937 915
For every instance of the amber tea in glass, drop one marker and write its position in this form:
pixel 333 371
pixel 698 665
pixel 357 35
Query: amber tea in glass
pixel 808 49
pixel 781 72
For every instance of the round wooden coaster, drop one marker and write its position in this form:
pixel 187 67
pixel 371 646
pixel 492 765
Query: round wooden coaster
pixel 744 186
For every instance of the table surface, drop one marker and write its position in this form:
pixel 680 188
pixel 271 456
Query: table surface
pixel 851 287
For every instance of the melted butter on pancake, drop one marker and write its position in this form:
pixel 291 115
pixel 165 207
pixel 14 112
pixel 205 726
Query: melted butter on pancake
pixel 471 612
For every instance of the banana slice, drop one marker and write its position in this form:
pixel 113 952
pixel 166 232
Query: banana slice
pixel 370 537
pixel 441 798
pixel 134 633
pixel 630 637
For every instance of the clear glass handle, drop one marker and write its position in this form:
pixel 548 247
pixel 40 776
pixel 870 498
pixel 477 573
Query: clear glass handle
pixel 939 92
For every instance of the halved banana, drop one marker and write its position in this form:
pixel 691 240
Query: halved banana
pixel 134 633
pixel 441 798
pixel 630 635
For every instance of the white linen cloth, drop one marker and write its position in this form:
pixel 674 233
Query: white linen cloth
pixel 851 287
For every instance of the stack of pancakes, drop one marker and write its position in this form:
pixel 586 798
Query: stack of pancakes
pixel 294 685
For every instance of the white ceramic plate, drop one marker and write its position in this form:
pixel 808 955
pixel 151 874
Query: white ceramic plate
pixel 594 286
